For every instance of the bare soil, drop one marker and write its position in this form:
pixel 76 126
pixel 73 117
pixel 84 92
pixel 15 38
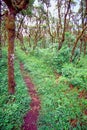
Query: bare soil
pixel 31 118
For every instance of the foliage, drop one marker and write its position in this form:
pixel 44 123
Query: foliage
pixel 69 39
pixel 28 11
pixel 12 107
pixel 62 56
pixel 59 104
pixel 76 76
pixel 75 72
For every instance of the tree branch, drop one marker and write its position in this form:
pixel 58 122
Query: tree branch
pixel 77 39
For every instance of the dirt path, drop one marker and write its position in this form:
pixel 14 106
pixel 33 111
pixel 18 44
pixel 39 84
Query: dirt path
pixel 30 119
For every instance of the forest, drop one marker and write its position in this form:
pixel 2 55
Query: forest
pixel 43 64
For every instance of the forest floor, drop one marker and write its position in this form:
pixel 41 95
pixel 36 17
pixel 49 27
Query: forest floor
pixel 30 119
pixel 44 99
pixel 62 105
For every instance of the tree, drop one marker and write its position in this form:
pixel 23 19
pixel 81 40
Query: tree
pixel 64 28
pixel 49 20
pixel 14 7
pixel 0 32
pixel 77 39
pixel 82 35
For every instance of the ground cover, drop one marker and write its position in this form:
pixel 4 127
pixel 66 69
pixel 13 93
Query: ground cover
pixel 61 106
pixel 12 107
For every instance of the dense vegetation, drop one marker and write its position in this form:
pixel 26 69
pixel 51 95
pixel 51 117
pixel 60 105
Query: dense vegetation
pixel 62 89
pixel 53 49
pixel 63 95
pixel 12 107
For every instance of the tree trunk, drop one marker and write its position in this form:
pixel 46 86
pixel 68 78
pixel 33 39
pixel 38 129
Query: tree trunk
pixel 14 8
pixel 0 43
pixel 10 26
pixel 84 46
pixel 35 43
pixel 64 28
pixel 77 39
pixel 81 46
pixel 0 33
pixel 59 23
pixel 48 23
pixel 0 48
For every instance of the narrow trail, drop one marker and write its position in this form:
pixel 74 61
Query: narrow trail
pixel 30 119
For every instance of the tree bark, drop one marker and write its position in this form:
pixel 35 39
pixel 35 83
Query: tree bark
pixel 64 28
pixel 48 23
pixel 75 43
pixel 14 8
pixel 10 26
pixel 85 48
pixel 81 46
pixel 0 33
pixel 59 23
pixel 0 47
pixel 85 45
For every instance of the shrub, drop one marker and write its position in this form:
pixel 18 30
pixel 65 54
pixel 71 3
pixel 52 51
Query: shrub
pixel 61 57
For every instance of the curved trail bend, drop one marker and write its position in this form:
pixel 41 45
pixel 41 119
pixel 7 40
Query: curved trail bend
pixel 30 119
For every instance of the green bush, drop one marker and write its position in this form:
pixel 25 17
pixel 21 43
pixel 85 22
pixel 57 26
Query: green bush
pixel 61 57
pixel 77 76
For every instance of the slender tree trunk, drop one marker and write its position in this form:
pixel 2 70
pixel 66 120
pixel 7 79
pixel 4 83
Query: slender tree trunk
pixel 35 42
pixel 59 23
pixel 64 28
pixel 29 40
pixel 48 23
pixel 10 26
pixel 0 33
pixel 84 47
pixel 0 47
pixel 81 46
pixel 86 13
pixel 77 39
pixel 20 37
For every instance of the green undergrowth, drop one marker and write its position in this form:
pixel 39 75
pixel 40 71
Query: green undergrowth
pixel 75 75
pixel 12 107
pixel 60 105
pixel 75 72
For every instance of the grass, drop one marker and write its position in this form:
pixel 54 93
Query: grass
pixel 12 107
pixel 61 107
